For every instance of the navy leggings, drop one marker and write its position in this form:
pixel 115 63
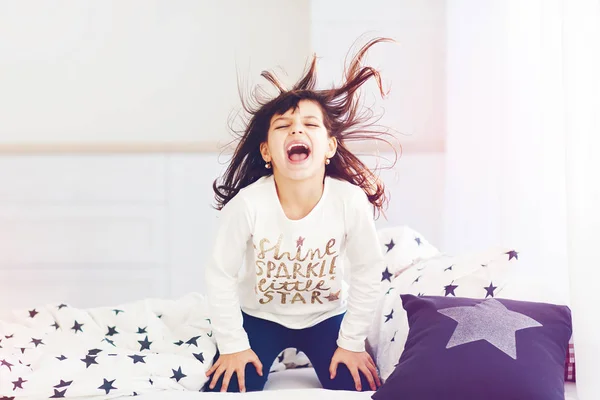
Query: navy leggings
pixel 268 339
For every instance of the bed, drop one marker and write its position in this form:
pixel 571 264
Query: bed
pixel 299 384
pixel 161 348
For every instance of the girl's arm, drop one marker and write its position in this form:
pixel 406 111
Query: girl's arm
pixel 366 262
pixel 222 276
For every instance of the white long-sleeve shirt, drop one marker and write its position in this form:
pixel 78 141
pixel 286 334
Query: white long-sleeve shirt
pixel 291 271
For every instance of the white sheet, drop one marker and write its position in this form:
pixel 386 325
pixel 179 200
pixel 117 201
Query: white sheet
pixel 298 384
pixel 570 392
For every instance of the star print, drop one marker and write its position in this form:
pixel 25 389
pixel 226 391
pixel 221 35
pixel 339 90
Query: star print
pixel 107 385
pixel 512 254
pixel 58 394
pixel 7 398
pixel 109 341
pixel 63 384
pixel 112 330
pixel 490 290
pixel 208 319
pixel 142 330
pixel 389 316
pixel 94 352
pixel 22 350
pixel 118 311
pixel 390 245
pixel 300 241
pixel 9 336
pixel 62 306
pixel 33 313
pixel 136 359
pixel 449 268
pixel 420 294
pixel 177 374
pixel 417 280
pixel 333 296
pixel 450 289
pixel 150 380
pixel 145 344
pixel 77 327
pixel 199 357
pixel 89 360
pixel 394 337
pixel 7 364
pixel 490 321
pixel 418 240
pixel 209 334
pixel 386 275
pixel 484 265
pixel 61 358
pixel 36 342
pixel 193 341
pixel 389 290
pixel 55 324
pixel 18 384
pixel 178 343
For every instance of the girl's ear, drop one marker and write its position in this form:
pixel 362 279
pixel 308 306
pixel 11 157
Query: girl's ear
pixel 264 151
pixel 332 143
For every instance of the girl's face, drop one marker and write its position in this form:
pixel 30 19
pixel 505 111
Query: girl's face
pixel 297 142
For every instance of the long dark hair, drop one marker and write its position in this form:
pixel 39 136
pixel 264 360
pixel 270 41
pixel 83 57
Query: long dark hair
pixel 343 117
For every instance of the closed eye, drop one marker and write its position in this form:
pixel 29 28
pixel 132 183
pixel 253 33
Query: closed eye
pixel 287 126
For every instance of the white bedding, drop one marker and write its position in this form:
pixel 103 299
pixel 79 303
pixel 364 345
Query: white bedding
pixel 299 384
pixel 180 338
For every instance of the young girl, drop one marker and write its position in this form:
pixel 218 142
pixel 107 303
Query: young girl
pixel 297 206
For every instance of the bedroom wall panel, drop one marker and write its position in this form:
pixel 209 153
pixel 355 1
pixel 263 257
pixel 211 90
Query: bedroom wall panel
pixel 90 230
pixel 108 228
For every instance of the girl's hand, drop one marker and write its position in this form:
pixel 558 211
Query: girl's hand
pixel 236 362
pixel 356 362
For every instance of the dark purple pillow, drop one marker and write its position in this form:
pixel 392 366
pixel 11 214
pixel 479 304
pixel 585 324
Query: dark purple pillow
pixel 493 349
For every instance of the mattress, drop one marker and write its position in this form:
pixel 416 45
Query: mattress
pixel 298 384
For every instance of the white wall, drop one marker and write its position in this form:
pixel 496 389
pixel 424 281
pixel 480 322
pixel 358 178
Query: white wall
pixel 101 230
pixel 138 70
pixel 414 68
pixel 505 159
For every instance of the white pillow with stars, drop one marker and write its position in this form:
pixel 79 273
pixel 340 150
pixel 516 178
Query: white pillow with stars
pixel 478 275
pixel 402 247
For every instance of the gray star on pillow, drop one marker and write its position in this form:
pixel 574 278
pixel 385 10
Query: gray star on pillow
pixel 491 321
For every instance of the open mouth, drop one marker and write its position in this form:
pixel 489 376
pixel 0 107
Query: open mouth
pixel 298 152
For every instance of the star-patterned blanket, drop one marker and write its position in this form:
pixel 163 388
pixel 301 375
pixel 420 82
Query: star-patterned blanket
pixel 58 351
